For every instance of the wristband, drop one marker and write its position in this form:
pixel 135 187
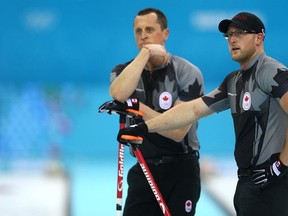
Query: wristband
pixel 280 167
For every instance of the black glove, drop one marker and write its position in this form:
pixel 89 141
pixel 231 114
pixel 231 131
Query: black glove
pixel 268 175
pixel 129 108
pixel 137 130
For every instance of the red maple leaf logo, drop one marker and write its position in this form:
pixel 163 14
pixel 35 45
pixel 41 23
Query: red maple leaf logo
pixel 165 98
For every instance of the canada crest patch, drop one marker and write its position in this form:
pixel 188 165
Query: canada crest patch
pixel 246 103
pixel 165 100
pixel 188 206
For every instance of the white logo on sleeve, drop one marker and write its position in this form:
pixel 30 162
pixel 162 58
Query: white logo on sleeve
pixel 165 100
pixel 246 103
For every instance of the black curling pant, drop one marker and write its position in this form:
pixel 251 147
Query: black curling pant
pixel 179 184
pixel 271 201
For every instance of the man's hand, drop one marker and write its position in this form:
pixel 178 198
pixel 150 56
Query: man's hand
pixel 268 175
pixel 158 54
pixel 129 108
pixel 137 130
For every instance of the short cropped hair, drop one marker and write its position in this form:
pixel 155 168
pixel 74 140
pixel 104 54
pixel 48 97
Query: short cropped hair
pixel 162 20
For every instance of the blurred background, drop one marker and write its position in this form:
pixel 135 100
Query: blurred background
pixel 58 155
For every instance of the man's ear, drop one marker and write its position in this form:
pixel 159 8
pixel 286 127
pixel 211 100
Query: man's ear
pixel 259 39
pixel 166 32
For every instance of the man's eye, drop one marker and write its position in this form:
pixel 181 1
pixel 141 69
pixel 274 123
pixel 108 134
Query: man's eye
pixel 237 33
pixel 149 30
pixel 138 31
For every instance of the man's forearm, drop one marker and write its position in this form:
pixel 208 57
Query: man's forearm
pixel 175 134
pixel 179 116
pixel 125 84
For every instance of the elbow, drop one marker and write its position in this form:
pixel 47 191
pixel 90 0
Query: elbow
pixel 179 134
pixel 197 114
pixel 178 139
pixel 117 95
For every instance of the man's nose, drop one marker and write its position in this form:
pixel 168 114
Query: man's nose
pixel 143 35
